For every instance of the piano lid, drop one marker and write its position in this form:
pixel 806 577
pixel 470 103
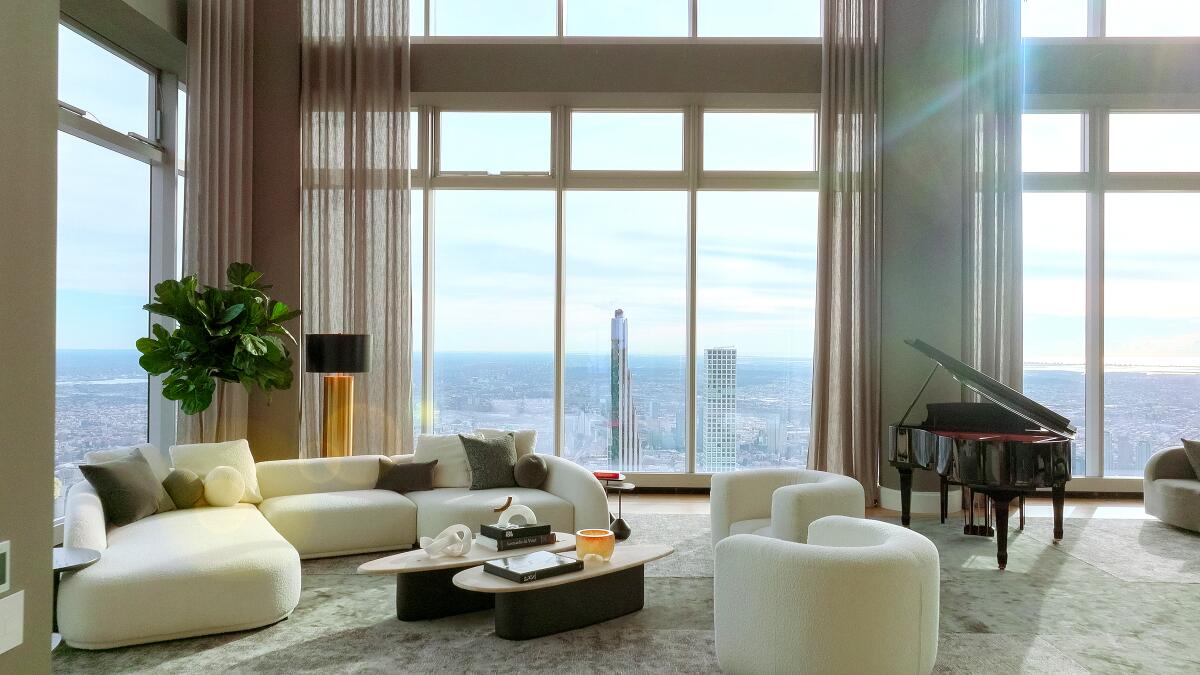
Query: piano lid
pixel 998 393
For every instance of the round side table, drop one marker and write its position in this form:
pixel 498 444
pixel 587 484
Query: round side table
pixel 67 560
pixel 620 486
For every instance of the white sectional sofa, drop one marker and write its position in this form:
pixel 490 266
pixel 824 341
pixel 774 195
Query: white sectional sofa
pixel 1172 489
pixel 211 570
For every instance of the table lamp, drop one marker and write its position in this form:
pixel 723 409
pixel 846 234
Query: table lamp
pixel 337 355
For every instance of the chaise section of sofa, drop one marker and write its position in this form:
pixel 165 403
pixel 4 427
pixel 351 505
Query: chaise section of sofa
pixel 329 507
pixel 176 574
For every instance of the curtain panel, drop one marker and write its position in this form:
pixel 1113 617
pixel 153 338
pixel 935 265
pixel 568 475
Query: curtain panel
pixel 217 205
pixel 846 430
pixel 355 241
pixel 991 313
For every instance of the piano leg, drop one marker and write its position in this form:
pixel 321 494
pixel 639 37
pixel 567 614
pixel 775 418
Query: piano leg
pixel 945 496
pixel 1021 507
pixel 1058 496
pixel 905 496
pixel 1002 504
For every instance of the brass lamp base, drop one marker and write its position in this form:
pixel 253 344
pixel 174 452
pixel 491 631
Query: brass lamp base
pixel 337 407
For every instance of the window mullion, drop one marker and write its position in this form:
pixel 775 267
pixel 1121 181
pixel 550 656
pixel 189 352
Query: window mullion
pixel 163 123
pixel 1094 313
pixel 560 143
pixel 691 154
pixel 427 153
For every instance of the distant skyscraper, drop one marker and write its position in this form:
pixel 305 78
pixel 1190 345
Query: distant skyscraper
pixel 719 443
pixel 624 446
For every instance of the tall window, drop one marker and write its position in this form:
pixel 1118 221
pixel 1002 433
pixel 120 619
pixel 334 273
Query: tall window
pixel 1112 193
pixel 587 262
pixel 109 227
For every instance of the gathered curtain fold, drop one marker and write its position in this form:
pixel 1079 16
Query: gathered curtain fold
pixel 217 208
pixel 992 291
pixel 846 432
pixel 355 241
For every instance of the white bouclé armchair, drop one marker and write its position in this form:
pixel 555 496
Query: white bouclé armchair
pixel 780 503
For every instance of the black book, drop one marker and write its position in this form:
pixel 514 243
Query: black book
pixel 532 566
pixel 516 542
pixel 500 532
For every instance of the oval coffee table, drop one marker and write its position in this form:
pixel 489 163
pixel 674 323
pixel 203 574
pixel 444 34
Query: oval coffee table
pixel 599 592
pixel 423 584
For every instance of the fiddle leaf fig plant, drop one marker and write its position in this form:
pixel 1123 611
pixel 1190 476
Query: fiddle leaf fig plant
pixel 232 334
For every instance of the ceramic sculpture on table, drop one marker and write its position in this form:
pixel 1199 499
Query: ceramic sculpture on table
pixel 453 542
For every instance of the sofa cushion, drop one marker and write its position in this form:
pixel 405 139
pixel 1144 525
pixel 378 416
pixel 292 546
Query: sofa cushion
pixel 327 474
pixel 340 523
pixel 127 487
pixel 491 460
pixel 759 526
pixel 178 574
pixel 526 438
pixel 441 508
pixel 452 469
pixel 185 488
pixel 204 457
pixel 1192 450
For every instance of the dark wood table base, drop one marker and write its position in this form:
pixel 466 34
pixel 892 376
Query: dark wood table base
pixel 529 614
pixel 433 595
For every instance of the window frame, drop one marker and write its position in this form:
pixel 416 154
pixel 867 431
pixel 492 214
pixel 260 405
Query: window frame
pixel 159 153
pixel 692 179
pixel 1095 180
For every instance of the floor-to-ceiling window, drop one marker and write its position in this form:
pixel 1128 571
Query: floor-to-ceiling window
pixel 116 235
pixel 1112 192
pixel 631 271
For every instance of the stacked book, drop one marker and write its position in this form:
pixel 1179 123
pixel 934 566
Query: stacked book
pixel 532 566
pixel 499 537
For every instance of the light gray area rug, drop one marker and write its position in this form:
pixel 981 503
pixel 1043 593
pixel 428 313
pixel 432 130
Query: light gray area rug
pixel 1115 596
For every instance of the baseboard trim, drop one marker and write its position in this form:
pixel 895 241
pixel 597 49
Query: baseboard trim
pixel 922 502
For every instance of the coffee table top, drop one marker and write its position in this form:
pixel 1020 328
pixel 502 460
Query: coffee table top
pixel 419 561
pixel 624 557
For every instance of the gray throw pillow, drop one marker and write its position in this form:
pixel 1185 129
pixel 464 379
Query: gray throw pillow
pixel 1192 450
pixel 127 488
pixel 531 471
pixel 491 461
pixel 185 488
pixel 408 477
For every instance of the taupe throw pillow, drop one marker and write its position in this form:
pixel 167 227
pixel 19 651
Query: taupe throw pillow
pixel 1192 450
pixel 531 471
pixel 408 477
pixel 491 461
pixel 127 488
pixel 185 488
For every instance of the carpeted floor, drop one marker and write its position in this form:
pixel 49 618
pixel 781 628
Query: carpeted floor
pixel 1114 596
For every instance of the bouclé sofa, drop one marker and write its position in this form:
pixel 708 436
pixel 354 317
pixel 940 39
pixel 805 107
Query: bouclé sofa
pixel 210 570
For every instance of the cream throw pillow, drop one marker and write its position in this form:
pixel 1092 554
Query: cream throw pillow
pixel 201 458
pixel 452 468
pixel 526 438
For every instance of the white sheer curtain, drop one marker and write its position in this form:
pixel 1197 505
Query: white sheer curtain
pixel 217 207
pixel 992 194
pixel 845 398
pixel 355 213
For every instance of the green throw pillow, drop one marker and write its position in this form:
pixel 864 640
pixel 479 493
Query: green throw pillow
pixel 185 488
pixel 491 461
pixel 406 477
pixel 127 488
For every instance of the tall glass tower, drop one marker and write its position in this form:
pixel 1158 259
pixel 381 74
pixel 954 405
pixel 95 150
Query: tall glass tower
pixel 718 448
pixel 624 447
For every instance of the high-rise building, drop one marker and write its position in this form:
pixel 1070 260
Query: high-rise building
pixel 718 449
pixel 624 446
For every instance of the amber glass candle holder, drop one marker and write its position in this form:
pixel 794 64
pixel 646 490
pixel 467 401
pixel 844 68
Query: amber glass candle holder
pixel 599 543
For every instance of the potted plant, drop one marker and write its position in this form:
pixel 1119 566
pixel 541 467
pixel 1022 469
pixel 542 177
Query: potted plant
pixel 229 334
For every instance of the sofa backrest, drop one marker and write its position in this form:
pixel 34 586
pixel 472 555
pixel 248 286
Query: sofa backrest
pixel 324 474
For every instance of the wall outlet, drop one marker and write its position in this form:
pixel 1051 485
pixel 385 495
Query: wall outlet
pixel 5 575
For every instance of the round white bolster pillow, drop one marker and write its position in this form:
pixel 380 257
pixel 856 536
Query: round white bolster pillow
pixel 224 486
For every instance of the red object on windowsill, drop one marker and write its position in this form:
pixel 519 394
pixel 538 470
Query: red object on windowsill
pixel 608 475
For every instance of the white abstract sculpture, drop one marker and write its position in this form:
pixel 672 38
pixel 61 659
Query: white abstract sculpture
pixel 453 542
pixel 521 510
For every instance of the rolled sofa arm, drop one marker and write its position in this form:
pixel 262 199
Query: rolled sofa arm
pixel 573 483
pixel 744 495
pixel 83 522
pixel 1168 463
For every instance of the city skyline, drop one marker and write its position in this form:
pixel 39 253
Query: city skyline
pixel 625 446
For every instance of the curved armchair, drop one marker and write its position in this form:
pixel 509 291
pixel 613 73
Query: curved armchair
pixel 780 503
pixel 861 597
pixel 1172 489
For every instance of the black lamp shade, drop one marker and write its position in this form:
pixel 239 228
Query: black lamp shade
pixel 337 353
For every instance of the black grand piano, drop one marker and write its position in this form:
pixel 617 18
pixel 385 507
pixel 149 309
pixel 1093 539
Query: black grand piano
pixel 1005 447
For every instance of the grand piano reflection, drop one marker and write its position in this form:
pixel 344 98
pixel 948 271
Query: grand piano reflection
pixel 1005 447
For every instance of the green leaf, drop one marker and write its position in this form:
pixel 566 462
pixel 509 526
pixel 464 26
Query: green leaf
pixel 254 344
pixel 232 313
pixel 237 272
